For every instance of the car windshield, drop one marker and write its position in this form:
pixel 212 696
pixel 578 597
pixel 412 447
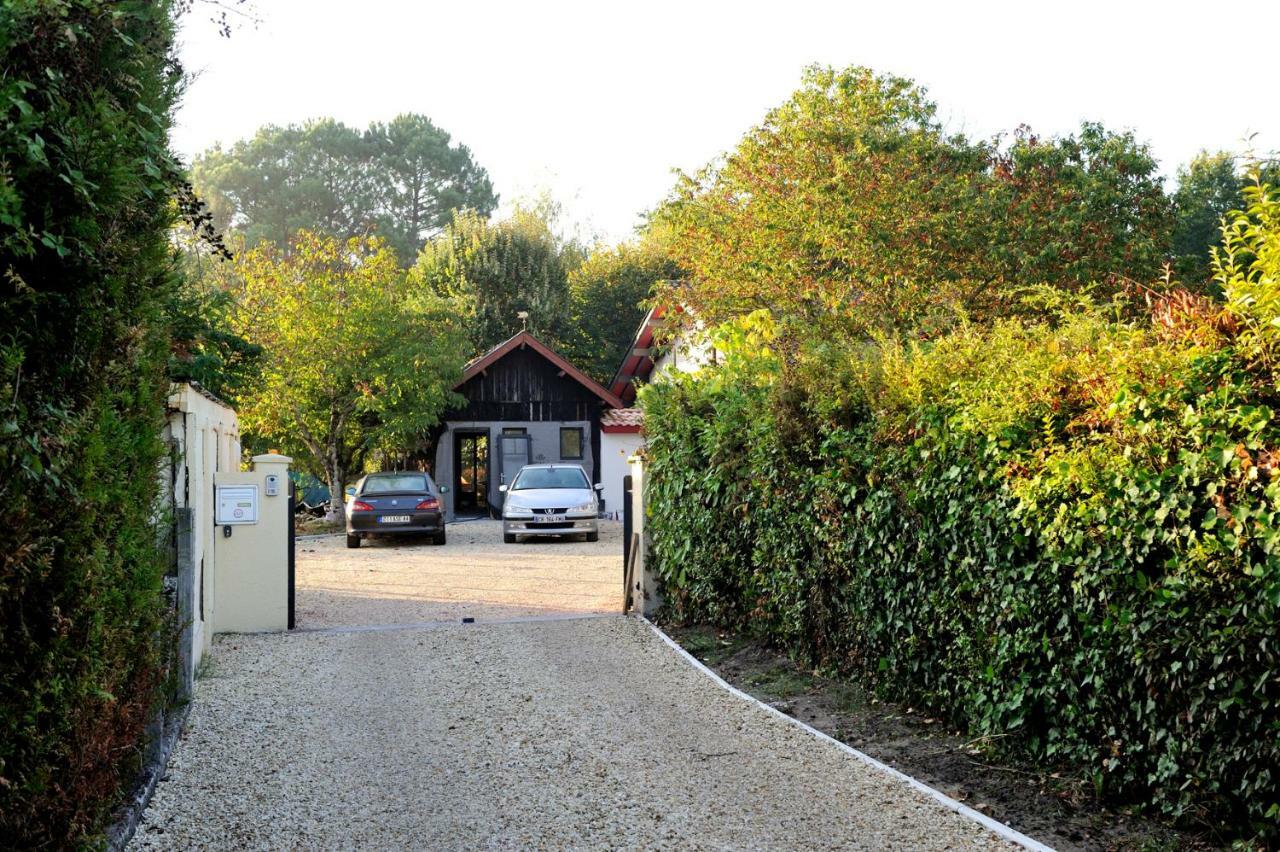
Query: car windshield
pixel 550 477
pixel 390 483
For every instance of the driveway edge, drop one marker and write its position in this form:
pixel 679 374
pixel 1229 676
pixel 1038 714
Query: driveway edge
pixel 995 826
pixel 155 764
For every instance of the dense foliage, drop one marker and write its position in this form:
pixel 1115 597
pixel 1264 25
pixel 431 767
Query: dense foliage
pixel 86 290
pixel 500 269
pixel 608 297
pixel 401 180
pixel 852 207
pixel 1063 534
pixel 355 359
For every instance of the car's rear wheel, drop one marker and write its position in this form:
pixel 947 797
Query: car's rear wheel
pixel 439 538
pixel 508 538
pixel 353 540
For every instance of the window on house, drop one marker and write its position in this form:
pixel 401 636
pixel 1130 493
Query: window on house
pixel 571 442
pixel 514 430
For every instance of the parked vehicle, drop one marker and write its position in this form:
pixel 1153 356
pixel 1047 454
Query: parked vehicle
pixel 395 503
pixel 550 499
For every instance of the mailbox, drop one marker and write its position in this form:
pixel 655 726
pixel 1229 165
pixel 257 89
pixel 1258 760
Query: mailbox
pixel 236 504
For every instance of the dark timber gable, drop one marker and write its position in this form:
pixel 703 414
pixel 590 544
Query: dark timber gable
pixel 524 386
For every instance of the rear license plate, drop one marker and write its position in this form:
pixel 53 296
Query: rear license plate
pixel 394 519
pixel 551 519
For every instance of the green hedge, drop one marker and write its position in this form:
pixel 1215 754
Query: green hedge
pixel 86 290
pixel 1061 534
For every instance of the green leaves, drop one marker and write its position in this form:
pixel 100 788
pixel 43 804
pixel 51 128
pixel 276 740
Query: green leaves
pixel 1063 534
pixel 354 357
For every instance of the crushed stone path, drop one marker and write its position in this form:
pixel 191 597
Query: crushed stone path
pixel 588 733
pixel 409 580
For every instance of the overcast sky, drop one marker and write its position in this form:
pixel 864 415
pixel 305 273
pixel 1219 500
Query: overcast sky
pixel 597 102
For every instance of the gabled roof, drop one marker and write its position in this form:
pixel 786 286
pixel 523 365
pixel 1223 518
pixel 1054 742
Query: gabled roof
pixel 478 365
pixel 638 362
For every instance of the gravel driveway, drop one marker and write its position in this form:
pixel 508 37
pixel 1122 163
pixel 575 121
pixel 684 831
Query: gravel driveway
pixel 409 581
pixel 556 734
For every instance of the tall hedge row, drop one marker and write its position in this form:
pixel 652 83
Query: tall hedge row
pixel 86 282
pixel 1062 534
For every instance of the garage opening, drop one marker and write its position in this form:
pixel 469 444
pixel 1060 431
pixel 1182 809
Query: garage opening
pixel 471 466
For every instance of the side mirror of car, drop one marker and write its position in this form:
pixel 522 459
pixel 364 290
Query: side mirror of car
pixel 599 486
pixel 502 488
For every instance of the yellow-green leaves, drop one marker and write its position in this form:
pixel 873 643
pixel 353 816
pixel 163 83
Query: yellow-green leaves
pixel 356 357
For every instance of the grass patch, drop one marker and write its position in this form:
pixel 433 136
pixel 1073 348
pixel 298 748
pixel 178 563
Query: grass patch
pixel 782 682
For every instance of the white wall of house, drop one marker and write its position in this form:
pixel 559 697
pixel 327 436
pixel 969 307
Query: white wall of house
pixel 685 353
pixel 615 449
pixel 204 434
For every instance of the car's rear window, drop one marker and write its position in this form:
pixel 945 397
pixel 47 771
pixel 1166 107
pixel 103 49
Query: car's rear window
pixel 388 483
pixel 550 477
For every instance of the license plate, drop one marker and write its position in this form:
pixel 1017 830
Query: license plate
pixel 394 519
pixel 550 519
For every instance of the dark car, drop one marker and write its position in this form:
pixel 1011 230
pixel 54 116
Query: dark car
pixel 395 504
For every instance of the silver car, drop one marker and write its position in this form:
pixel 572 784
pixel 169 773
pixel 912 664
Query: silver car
pixel 550 499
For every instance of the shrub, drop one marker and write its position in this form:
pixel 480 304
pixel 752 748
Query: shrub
pixel 1064 532
pixel 86 280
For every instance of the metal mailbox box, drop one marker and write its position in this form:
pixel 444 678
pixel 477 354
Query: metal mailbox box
pixel 236 504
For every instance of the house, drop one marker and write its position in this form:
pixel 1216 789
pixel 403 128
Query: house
pixel 525 404
pixel 645 361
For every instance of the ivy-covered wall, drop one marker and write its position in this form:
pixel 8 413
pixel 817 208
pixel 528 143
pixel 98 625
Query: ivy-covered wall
pixel 1061 533
pixel 87 188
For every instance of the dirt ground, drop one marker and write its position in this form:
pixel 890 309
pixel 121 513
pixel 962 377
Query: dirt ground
pixel 1044 805
pixel 409 580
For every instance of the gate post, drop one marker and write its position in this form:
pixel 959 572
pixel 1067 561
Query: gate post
pixel 293 551
pixel 645 592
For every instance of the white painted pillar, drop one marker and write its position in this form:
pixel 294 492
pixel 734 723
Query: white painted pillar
pixel 251 572
pixel 646 596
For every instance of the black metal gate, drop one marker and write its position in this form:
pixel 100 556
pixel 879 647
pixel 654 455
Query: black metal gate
pixel 627 521
pixel 293 547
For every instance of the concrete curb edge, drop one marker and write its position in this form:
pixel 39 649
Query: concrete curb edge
pixel 995 826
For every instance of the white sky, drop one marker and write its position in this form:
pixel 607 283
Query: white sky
pixel 597 102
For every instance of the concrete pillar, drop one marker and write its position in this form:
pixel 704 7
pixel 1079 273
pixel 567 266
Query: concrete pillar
pixel 646 595
pixel 251 580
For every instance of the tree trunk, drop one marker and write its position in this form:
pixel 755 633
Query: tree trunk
pixel 337 495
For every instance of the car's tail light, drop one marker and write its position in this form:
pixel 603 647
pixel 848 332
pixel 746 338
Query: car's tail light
pixel 360 506
pixel 429 503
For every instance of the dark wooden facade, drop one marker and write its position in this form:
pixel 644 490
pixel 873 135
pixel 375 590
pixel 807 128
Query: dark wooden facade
pixel 524 386
pixel 520 387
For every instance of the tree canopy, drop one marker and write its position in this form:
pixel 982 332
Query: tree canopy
pixel 402 180
pixel 608 296
pixel 355 360
pixel 500 269
pixel 851 202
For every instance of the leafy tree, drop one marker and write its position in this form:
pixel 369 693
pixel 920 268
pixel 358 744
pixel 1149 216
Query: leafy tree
pixel 1208 188
pixel 1076 209
pixel 608 293
pixel 846 191
pixel 501 269
pixel 420 180
pixel 850 205
pixel 402 178
pixel 354 359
